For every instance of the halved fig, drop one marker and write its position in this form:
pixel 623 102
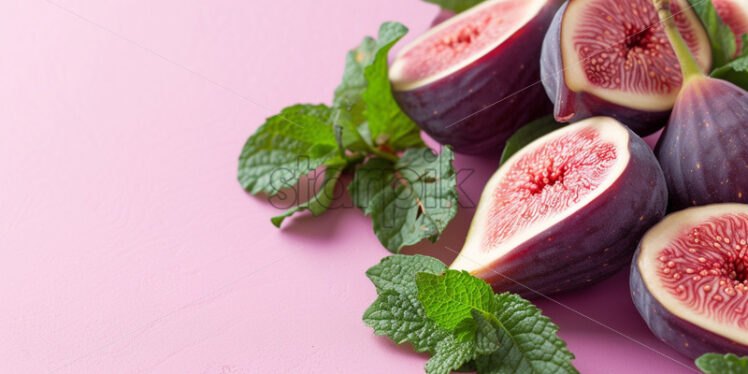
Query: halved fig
pixel 468 82
pixel 735 14
pixel 689 280
pixel 611 57
pixel 566 210
pixel 704 148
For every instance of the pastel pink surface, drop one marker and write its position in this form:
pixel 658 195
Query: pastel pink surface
pixel 127 244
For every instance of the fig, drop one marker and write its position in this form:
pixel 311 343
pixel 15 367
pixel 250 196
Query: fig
pixel 689 280
pixel 565 211
pixel 735 14
pixel 611 57
pixel 704 148
pixel 469 81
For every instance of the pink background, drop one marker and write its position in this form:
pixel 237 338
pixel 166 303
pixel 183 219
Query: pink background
pixel 128 246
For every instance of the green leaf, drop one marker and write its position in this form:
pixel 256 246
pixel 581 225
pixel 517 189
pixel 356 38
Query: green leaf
pixel 408 200
pixel 320 202
pixel 348 103
pixel 401 318
pixel 720 35
pixel 487 339
pixel 713 363
pixel 456 6
pixel 450 354
pixel 397 313
pixel 348 94
pixel 353 136
pixel 450 298
pixel 387 122
pixel 398 272
pixel 527 134
pixel 288 146
pixel 528 341
pixel 735 72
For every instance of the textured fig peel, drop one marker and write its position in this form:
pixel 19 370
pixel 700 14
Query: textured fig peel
pixel 690 279
pixel 704 149
pixel 566 210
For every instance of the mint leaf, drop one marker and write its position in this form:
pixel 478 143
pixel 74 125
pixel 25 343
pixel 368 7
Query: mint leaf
pixel 397 313
pixel 735 71
pixel 408 200
pixel 388 124
pixel 713 363
pixel 401 318
pixel 320 202
pixel 450 298
pixel 720 35
pixel 528 341
pixel 527 134
pixel 456 6
pixel 398 272
pixel 450 354
pixel 348 103
pixel 487 338
pixel 288 146
pixel 348 94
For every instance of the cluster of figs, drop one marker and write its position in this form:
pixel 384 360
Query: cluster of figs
pixel 586 200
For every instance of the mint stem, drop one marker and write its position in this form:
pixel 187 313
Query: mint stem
pixel 688 65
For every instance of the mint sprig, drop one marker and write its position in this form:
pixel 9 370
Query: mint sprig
pixel 364 132
pixel 714 363
pixel 460 321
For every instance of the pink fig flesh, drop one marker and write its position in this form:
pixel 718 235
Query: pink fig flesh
pixel 611 57
pixel 565 211
pixel 471 81
pixel 689 280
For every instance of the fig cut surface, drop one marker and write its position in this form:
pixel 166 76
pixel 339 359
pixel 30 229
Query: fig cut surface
pixel 695 264
pixel 542 184
pixel 566 210
pixel 618 51
pixel 459 41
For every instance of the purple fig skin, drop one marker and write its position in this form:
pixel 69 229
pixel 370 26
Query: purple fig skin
pixel 477 108
pixel 570 106
pixel 704 149
pixel 688 339
pixel 443 15
pixel 594 242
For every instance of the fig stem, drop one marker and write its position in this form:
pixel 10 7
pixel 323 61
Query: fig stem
pixel 688 65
